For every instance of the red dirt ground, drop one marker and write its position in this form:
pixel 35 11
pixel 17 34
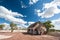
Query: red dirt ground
pixel 24 36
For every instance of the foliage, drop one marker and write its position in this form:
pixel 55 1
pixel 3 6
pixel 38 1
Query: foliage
pixel 48 25
pixel 1 26
pixel 51 30
pixel 57 30
pixel 13 26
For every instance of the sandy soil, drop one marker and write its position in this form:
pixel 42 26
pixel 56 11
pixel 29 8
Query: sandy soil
pixel 4 36
pixel 25 36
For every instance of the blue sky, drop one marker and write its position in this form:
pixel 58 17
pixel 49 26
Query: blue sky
pixel 26 12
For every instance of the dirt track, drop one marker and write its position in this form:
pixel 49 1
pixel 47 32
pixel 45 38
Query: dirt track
pixel 24 36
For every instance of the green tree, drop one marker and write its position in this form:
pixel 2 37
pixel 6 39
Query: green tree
pixel 13 26
pixel 48 25
pixel 1 26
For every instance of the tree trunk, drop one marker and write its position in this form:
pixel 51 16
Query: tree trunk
pixel 0 28
pixel 47 30
pixel 11 30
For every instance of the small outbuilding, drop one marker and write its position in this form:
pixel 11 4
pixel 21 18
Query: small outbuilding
pixel 37 28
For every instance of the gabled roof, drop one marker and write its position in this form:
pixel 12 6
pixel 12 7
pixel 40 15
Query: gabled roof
pixel 34 25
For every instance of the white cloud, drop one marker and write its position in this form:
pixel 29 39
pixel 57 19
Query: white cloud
pixel 10 16
pixel 50 9
pixel 56 23
pixel 37 10
pixel 33 1
pixel 25 26
pixel 29 23
pixel 23 5
pixel 7 26
pixel 9 12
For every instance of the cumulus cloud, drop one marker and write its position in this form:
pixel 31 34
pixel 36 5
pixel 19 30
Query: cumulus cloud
pixel 29 23
pixel 37 10
pixel 9 12
pixel 33 1
pixel 56 23
pixel 23 5
pixel 6 27
pixel 10 16
pixel 50 9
